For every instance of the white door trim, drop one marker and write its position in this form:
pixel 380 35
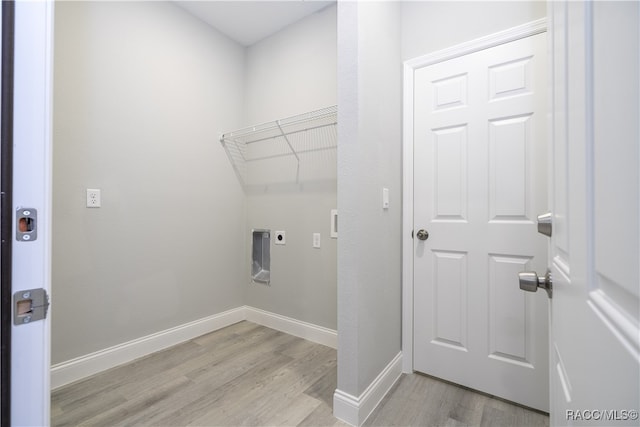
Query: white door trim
pixel 33 119
pixel 410 66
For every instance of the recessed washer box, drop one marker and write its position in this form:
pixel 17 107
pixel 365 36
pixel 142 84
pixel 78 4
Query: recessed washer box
pixel 261 256
pixel 279 238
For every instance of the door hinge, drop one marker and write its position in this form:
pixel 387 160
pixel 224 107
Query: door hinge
pixel 29 306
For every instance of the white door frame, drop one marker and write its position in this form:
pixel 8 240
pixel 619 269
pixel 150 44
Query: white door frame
pixel 33 114
pixel 410 66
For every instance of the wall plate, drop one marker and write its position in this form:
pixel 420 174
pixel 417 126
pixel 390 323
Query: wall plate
pixel 334 224
pixel 279 238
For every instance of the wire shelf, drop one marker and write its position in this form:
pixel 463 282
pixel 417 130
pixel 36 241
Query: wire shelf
pixel 280 149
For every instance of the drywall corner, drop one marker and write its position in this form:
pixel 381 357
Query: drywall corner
pixel 369 158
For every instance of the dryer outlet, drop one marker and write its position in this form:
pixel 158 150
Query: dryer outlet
pixel 280 238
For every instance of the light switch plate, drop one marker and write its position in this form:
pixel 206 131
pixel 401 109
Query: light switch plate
pixel 385 198
pixel 316 240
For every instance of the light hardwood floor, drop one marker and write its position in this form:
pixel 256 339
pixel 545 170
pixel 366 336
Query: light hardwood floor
pixel 248 374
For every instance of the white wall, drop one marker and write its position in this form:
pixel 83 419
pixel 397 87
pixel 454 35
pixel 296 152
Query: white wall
pixel 293 72
pixel 369 158
pixel 142 91
pixel 428 26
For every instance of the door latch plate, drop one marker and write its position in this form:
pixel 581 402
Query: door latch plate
pixel 29 306
pixel 26 225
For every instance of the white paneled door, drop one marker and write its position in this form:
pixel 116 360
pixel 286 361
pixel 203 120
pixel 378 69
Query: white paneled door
pixel 595 246
pixel 480 180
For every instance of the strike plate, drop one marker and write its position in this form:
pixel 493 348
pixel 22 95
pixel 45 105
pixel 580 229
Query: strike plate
pixel 26 225
pixel 29 306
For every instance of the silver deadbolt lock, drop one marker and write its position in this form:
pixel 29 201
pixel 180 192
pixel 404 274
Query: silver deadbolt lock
pixel 530 282
pixel 544 224
pixel 423 234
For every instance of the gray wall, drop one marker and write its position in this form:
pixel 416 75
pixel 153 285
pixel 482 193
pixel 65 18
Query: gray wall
pixel 428 26
pixel 142 91
pixel 292 72
pixel 369 158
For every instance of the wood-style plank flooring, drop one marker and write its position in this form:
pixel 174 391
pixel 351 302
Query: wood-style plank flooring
pixel 420 400
pixel 251 375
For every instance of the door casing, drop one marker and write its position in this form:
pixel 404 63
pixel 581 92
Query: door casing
pixel 33 118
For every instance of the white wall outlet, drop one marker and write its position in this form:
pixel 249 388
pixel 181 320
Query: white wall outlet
pixel 385 198
pixel 280 238
pixel 93 198
pixel 316 240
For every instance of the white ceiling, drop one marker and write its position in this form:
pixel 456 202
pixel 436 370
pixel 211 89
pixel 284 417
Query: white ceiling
pixel 248 22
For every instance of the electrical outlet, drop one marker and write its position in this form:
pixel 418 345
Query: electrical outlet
pixel 93 198
pixel 281 238
pixel 316 240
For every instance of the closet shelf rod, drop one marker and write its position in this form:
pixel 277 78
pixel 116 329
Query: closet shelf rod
pixel 293 132
pixel 275 156
pixel 296 131
pixel 297 120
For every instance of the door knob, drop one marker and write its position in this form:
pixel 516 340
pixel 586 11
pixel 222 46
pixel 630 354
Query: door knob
pixel 423 234
pixel 530 282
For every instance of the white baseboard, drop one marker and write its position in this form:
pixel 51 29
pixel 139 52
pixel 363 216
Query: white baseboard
pixel 355 410
pixel 298 328
pixel 90 364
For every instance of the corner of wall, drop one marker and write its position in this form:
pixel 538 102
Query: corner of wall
pixel 121 125
pixel 369 271
pixel 81 367
pixel 355 410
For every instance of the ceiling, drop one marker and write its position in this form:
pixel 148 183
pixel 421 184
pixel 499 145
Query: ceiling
pixel 248 22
